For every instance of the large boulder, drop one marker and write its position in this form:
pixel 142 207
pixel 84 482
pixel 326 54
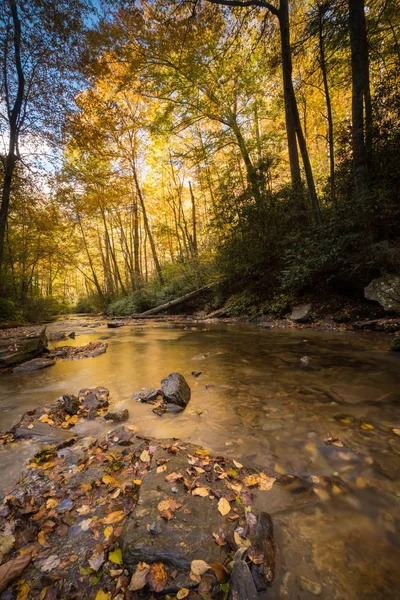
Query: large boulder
pixel 386 291
pixel 301 313
pixel 20 345
pixel 175 390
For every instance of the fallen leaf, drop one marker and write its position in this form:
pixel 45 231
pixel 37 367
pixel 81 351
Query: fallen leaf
pixel 42 538
pixel 199 567
pixel 183 592
pixel 173 477
pixel 103 595
pixel 223 506
pixel 145 456
pixel 24 591
pixel 251 480
pixel 220 571
pixel 51 503
pixel 266 482
pixel 96 560
pixel 108 532
pixel 200 491
pixel 113 517
pixel 367 426
pixel 396 431
pixel 85 524
pixel 50 563
pixel 237 464
pixel 218 539
pixel 138 580
pixel 157 577
pixel 115 556
pixel 241 542
pixel 161 469
pixel 12 569
pixel 108 480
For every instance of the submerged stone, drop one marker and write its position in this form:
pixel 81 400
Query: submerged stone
pixel 34 365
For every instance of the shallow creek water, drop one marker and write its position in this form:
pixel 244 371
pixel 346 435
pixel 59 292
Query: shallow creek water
pixel 260 401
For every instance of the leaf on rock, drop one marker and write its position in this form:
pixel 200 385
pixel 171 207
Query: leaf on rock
pixel 103 595
pixel 108 480
pixel 113 517
pixel 138 580
pixel 173 477
pixel 183 592
pixel 237 464
pixel 50 563
pixel 161 468
pixel 251 480
pixel 241 542
pixel 85 524
pixel 115 556
pixel 157 577
pixel 145 456
pixel 220 571
pixel 96 560
pixel 108 532
pixel 266 482
pixel 218 539
pixel 199 567
pixel 200 491
pixel 13 569
pixel 24 592
pixel 223 506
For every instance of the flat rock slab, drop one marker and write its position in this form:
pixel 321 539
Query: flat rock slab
pixel 44 433
pixel 188 534
pixel 36 364
pixel 20 345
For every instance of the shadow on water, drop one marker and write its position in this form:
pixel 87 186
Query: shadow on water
pixel 303 404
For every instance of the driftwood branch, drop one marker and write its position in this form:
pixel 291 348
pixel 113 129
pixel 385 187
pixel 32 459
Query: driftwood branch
pixel 173 303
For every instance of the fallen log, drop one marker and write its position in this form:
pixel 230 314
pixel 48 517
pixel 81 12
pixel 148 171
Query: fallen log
pixel 176 302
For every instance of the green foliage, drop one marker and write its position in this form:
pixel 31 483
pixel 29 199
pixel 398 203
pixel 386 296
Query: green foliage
pixel 38 310
pixel 9 311
pixel 88 304
pixel 243 303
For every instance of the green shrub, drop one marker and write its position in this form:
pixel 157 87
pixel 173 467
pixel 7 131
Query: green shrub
pixel 244 303
pixel 9 311
pixel 37 310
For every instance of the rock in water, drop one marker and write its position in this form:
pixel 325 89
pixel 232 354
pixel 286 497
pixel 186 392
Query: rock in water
pixel 395 345
pixel 20 345
pixel 146 395
pixel 115 324
pixel 242 585
pixel 264 549
pixel 301 313
pixel 34 365
pixel 70 403
pixel 117 415
pixel 175 389
pixel 386 291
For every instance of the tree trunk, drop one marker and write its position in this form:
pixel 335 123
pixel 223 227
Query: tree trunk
pixel 321 13
pixel 194 224
pixel 251 172
pixel 14 117
pixel 359 60
pixel 292 114
pixel 146 225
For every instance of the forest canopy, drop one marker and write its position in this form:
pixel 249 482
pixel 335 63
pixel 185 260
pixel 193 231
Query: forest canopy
pixel 150 148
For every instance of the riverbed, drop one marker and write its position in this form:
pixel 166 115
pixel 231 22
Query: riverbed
pixel 299 403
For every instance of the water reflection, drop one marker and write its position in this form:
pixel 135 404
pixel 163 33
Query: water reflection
pixel 301 403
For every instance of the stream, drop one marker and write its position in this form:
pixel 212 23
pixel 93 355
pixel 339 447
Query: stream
pixel 303 404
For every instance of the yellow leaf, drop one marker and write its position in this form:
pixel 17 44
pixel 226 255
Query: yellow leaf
pixel 367 426
pixel 251 480
pixel 223 506
pixel 108 480
pixel 322 494
pixel 163 505
pixel 266 482
pixel 42 538
pixel 137 481
pixel 161 469
pixel 51 503
pixel 103 595
pixel 237 464
pixel 23 592
pixel 116 556
pixel 113 517
pixel 183 592
pixel 145 456
pixel 200 491
pixel 108 531
pixel 30 426
pixel 396 431
pixel 199 567
pixel 241 542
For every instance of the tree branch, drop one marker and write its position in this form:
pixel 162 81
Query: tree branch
pixel 244 3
